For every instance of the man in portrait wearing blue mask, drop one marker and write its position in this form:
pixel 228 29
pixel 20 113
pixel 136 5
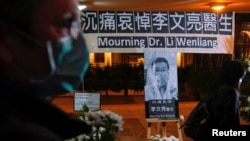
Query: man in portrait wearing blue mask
pixel 42 54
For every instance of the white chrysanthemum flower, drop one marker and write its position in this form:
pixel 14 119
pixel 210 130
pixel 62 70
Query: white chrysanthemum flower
pixel 158 136
pixel 100 113
pixel 96 117
pixel 151 137
pixel 94 128
pixel 173 138
pixel 87 137
pixel 246 109
pixel 99 121
pixel 86 118
pixel 102 129
pixel 118 122
pixel 248 99
pixel 82 137
pixel 119 126
pixel 164 139
pixel 81 118
pixel 181 117
pixel 99 135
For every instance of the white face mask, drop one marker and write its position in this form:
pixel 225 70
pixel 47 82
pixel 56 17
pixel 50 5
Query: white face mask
pixel 69 61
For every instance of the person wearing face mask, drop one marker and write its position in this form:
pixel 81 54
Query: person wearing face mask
pixel 42 54
pixel 157 86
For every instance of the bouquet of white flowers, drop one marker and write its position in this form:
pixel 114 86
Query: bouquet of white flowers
pixel 245 109
pixel 105 125
pixel 245 93
pixel 159 138
pixel 164 138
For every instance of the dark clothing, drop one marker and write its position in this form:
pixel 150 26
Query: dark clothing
pixel 223 105
pixel 224 112
pixel 29 118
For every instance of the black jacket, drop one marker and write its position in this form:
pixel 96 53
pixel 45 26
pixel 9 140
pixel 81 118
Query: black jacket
pixel 225 108
pixel 224 112
pixel 29 118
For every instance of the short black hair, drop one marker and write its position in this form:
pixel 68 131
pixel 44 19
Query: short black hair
pixel 160 59
pixel 18 12
pixel 231 71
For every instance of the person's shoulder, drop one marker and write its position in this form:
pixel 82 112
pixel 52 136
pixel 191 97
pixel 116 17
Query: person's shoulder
pixel 227 92
pixel 16 129
pixel 227 88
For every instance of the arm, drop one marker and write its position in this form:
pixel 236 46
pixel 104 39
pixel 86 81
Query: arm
pixel 230 108
pixel 151 89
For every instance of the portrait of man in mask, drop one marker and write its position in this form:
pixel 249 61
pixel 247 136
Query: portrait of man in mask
pixel 158 85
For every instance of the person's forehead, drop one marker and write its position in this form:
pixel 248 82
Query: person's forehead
pixel 58 8
pixel 160 64
pixel 60 3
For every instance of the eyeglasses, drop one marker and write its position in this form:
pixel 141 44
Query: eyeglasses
pixel 75 29
pixel 72 25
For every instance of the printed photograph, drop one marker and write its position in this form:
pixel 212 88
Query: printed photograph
pixel 161 83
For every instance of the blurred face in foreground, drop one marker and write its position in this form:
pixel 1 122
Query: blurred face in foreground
pixel 51 49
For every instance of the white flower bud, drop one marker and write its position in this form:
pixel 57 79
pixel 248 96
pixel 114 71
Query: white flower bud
pixel 181 117
pixel 248 98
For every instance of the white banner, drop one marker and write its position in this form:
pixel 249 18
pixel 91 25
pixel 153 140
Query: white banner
pixel 186 32
pixel 146 42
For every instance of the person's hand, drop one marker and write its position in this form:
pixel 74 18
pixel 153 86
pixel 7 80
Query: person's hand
pixel 153 85
pixel 152 81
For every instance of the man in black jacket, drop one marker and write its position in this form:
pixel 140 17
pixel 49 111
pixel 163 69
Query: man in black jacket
pixel 42 54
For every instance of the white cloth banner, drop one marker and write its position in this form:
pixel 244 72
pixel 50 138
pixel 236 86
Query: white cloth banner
pixel 181 43
pixel 137 32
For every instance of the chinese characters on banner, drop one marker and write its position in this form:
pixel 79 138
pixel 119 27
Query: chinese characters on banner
pixel 161 88
pixel 124 31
